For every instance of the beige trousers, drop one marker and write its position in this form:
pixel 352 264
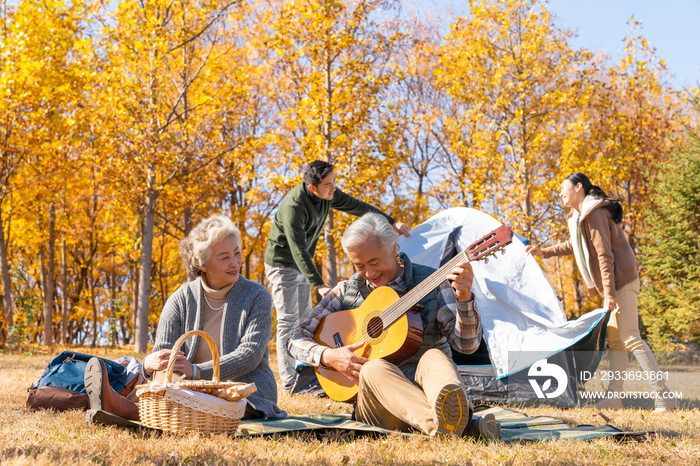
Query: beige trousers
pixel 623 336
pixel 387 399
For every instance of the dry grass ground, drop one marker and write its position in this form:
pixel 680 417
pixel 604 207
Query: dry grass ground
pixel 38 438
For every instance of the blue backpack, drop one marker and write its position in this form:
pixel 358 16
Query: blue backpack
pixel 67 370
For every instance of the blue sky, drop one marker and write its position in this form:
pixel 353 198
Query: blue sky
pixel 670 26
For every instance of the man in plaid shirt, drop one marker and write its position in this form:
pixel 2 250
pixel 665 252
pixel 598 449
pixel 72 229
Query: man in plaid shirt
pixel 425 391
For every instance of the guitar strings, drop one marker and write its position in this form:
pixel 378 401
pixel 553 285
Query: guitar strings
pixel 394 311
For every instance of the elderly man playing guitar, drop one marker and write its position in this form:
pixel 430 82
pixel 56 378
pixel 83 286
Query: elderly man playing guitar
pixel 362 338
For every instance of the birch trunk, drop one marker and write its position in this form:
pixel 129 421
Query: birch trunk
pixel 64 298
pixel 49 284
pixel 141 340
pixel 5 272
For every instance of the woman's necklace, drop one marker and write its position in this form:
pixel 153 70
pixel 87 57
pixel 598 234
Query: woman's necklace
pixel 212 307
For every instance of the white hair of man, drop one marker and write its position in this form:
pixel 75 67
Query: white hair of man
pixel 195 250
pixel 370 225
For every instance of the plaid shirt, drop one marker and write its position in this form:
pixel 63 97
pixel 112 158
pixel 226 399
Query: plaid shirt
pixel 459 322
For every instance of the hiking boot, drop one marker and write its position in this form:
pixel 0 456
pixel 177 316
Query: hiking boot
pixel 609 402
pixel 485 427
pixel 102 396
pixel 452 410
pixel 662 404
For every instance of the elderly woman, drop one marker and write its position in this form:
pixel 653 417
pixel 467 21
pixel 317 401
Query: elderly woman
pixel 236 312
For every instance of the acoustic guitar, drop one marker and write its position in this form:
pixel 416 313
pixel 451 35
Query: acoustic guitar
pixel 383 321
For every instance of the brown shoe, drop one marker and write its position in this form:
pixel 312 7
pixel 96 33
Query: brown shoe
pixel 102 396
pixel 451 409
pixel 485 427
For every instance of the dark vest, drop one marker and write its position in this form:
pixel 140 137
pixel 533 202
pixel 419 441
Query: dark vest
pixel 356 290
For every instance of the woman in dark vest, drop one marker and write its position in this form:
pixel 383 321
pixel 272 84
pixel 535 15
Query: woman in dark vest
pixel 423 392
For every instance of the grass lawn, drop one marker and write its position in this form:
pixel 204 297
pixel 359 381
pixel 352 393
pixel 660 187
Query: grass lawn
pixel 38 438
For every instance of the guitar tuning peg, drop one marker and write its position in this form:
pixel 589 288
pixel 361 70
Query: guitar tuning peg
pixel 486 260
pixel 503 252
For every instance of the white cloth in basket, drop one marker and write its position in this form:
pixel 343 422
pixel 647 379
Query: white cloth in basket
pixel 202 402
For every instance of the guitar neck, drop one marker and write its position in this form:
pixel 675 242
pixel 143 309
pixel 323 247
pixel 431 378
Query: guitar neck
pixel 421 290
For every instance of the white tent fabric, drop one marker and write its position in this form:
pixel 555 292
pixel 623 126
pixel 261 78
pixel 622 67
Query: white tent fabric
pixel 522 317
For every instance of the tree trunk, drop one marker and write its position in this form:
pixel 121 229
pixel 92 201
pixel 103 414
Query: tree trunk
pixel 113 305
pixel 526 197
pixel 135 302
pixel 161 261
pixel 559 273
pixel 188 229
pixel 315 295
pixel 141 341
pixel 578 297
pixel 50 279
pixel 42 281
pixel 188 221
pixel 91 284
pixel 331 267
pixel 94 309
pixel 5 272
pixel 64 298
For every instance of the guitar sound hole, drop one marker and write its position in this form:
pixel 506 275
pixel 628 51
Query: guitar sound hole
pixel 375 327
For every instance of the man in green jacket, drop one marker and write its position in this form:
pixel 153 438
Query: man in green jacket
pixel 291 247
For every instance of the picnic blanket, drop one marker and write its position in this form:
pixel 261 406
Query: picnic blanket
pixel 515 426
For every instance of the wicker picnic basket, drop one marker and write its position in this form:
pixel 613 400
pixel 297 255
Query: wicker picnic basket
pixel 168 407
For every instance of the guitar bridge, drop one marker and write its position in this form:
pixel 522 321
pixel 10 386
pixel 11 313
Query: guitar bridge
pixel 338 340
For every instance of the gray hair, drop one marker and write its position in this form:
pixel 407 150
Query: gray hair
pixel 195 250
pixel 370 225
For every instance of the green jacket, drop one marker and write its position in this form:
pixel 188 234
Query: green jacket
pixel 297 227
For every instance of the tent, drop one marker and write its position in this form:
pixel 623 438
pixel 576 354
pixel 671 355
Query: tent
pixel 526 332
pixel 522 317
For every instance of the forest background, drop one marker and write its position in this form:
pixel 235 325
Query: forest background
pixel 123 125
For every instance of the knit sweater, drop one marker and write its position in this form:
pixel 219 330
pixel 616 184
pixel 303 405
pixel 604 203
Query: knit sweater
pixel 298 226
pixel 246 328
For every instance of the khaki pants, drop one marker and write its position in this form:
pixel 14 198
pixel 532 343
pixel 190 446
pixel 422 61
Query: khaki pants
pixel 387 399
pixel 623 336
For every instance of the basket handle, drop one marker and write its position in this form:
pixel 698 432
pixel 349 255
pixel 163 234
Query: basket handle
pixel 180 341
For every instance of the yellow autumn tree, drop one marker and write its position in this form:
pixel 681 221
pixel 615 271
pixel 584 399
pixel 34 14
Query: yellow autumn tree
pixel 626 128
pixel 159 53
pixel 48 47
pixel 333 69
pixel 420 105
pixel 12 154
pixel 517 81
pixel 245 119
